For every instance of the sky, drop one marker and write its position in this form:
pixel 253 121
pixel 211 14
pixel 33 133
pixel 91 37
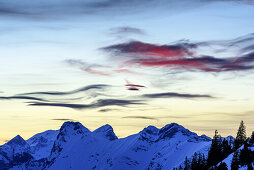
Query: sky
pixel 129 64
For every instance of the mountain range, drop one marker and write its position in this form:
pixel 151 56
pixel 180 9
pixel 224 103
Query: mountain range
pixel 74 146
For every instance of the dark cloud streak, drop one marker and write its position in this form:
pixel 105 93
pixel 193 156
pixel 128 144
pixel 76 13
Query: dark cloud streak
pixel 22 98
pixel 97 104
pixel 83 89
pixel 175 95
pixel 139 117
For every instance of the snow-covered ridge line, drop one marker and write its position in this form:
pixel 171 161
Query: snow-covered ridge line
pixel 76 146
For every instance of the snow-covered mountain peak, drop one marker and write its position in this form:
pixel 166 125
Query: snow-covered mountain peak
pixel 173 129
pixel 149 133
pixel 151 130
pixel 17 141
pixel 106 131
pixel 69 132
pixel 170 130
pixel 75 147
pixel 103 128
pixel 73 128
pixel 16 151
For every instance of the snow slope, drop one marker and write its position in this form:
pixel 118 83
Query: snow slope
pixel 42 143
pixel 228 160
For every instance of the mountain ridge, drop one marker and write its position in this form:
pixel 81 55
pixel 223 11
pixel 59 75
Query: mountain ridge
pixel 74 145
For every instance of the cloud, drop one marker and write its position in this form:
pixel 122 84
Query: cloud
pixel 58 93
pixel 121 32
pixel 4 140
pixel 175 95
pixel 48 9
pixel 64 119
pixel 187 56
pixel 97 69
pixel 99 103
pixel 91 71
pixel 89 68
pixel 134 87
pixel 125 71
pixel 175 117
pixel 106 110
pixel 147 49
pixel 139 117
pixel 21 98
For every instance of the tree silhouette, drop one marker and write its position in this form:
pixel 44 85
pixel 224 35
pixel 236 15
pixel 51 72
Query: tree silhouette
pixel 222 166
pixel 246 156
pixel 215 154
pixel 241 136
pixel 186 164
pixel 252 138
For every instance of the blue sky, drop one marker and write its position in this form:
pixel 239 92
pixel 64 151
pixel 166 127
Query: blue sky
pixel 64 45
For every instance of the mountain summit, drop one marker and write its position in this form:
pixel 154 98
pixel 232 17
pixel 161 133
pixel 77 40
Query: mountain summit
pixel 106 131
pixel 76 147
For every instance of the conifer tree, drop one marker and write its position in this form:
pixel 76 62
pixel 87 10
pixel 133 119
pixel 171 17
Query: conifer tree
pixel 252 138
pixel 222 166
pixel 186 164
pixel 246 156
pixel 241 135
pixel 194 161
pixel 226 148
pixel 204 161
pixel 215 152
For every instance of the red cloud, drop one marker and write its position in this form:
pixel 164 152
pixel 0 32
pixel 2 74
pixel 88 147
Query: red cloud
pixel 184 55
pixel 136 47
pixel 91 71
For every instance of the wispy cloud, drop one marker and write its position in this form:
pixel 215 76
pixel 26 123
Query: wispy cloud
pixel 121 32
pixel 97 104
pixel 22 98
pixel 139 117
pixel 187 56
pixel 97 69
pixel 89 68
pixel 61 119
pixel 3 140
pixel 47 9
pixel 58 93
pixel 175 95
pixel 107 110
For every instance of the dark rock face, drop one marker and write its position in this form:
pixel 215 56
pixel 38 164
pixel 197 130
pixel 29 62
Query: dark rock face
pixel 21 158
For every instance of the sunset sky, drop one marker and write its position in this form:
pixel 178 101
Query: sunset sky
pixel 66 60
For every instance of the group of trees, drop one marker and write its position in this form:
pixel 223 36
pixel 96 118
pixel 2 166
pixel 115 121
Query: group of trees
pixel 222 148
